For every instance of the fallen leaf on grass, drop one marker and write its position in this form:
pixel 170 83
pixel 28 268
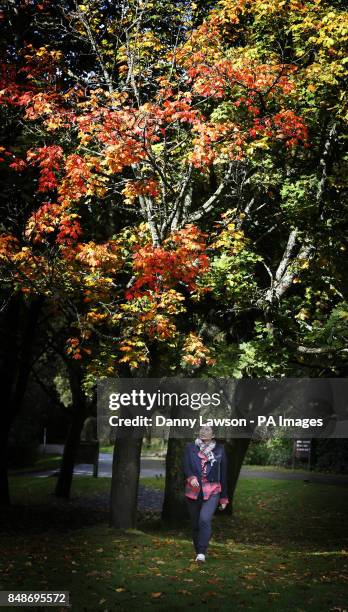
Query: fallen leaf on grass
pixel 214 580
pixel 120 590
pixel 156 595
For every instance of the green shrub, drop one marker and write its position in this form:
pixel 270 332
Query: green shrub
pixel 257 453
pixel 276 451
pixel 279 451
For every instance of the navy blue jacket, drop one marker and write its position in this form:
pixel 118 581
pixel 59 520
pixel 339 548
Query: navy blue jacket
pixel 215 473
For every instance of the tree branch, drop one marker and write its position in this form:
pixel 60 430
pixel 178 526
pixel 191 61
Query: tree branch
pixel 209 204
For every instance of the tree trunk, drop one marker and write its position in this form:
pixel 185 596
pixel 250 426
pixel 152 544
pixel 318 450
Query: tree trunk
pixel 125 481
pixel 250 396
pixel 18 334
pixel 174 508
pixel 4 486
pixel 79 414
pixel 235 451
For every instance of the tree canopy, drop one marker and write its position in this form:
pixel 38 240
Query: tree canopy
pixel 173 182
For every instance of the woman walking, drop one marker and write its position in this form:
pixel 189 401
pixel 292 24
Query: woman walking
pixel 205 469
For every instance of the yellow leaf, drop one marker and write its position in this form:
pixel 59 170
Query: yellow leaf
pixel 303 314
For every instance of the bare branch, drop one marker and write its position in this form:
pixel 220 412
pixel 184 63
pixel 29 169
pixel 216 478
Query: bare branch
pixel 324 165
pixel 83 19
pixel 209 204
pixel 286 273
pixel 286 255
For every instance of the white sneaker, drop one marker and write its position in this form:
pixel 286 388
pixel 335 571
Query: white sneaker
pixel 200 558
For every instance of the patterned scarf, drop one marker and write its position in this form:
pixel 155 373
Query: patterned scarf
pixel 207 449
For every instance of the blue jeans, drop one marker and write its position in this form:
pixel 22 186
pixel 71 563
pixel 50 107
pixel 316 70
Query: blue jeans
pixel 201 513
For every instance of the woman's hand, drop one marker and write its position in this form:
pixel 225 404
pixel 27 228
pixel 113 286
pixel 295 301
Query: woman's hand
pixel 194 482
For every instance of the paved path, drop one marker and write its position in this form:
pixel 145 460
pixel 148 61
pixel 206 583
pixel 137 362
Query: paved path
pixel 155 468
pixel 150 468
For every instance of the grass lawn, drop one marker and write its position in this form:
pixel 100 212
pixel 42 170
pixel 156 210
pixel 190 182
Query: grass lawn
pixel 44 462
pixel 106 449
pixel 285 548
